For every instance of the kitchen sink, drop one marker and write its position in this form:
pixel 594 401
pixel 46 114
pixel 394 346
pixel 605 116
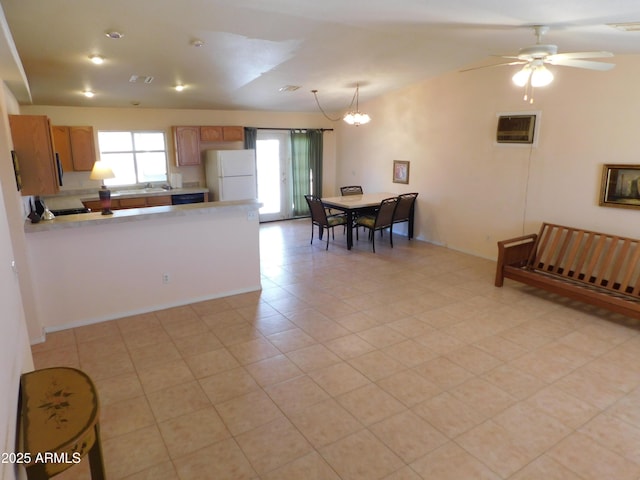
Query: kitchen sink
pixel 141 191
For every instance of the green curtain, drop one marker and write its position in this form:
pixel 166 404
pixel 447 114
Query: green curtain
pixel 250 134
pixel 306 160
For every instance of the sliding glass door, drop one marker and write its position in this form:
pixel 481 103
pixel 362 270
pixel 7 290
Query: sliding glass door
pixel 273 153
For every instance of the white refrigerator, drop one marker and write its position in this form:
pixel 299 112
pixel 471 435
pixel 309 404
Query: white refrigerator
pixel 231 174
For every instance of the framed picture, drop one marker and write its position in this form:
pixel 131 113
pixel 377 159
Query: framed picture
pixel 400 171
pixel 620 186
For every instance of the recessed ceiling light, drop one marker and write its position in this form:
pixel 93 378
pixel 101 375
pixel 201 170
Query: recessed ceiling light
pixel 289 88
pixel 89 93
pixel 197 43
pixel 97 59
pixel 114 35
pixel 179 88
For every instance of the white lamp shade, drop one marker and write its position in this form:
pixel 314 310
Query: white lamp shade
pixel 101 171
pixel 522 76
pixel 541 76
pixel 357 118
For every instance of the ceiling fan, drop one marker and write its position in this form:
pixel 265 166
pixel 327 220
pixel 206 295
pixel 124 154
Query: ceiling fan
pixel 533 58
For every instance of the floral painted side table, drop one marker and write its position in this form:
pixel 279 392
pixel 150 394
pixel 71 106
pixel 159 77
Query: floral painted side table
pixel 59 423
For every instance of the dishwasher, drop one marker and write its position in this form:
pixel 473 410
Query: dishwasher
pixel 182 198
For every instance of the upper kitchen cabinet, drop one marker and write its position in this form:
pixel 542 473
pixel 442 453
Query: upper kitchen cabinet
pixel 222 134
pixel 75 147
pixel 33 145
pixel 187 145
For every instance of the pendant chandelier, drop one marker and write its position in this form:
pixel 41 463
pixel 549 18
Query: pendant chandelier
pixel 352 117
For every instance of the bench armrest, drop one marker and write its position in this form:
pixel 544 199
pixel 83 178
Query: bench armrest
pixel 514 252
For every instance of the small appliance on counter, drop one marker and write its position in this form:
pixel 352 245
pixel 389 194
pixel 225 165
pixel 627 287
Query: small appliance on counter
pixel 231 174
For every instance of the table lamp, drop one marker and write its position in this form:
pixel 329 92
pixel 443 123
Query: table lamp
pixel 101 171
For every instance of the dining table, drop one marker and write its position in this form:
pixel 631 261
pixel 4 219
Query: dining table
pixel 351 205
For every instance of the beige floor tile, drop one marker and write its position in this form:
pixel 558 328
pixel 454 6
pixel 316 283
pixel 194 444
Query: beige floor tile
pixel 228 384
pixel 209 307
pixel 501 348
pixel 410 353
pixel 163 471
pixel 99 368
pixel 143 321
pixel 628 408
pixel 408 436
pixel 338 378
pixel 296 394
pixel 273 445
pixel 133 452
pixel 376 365
pixel 57 357
pixel 238 333
pixel 248 411
pixel 165 375
pixel 545 468
pixel 515 382
pixel 613 433
pixel 310 467
pixel 450 462
pixel 406 473
pixel 325 422
pixel 409 387
pixel 361 456
pixel 449 415
pixel 222 460
pixel 593 387
pixel 96 331
pixel 381 336
pixel 564 407
pixel 273 324
pixel 193 431
pixel 443 372
pixel 593 461
pixel 349 346
pixel 439 342
pixel 313 357
pixel 177 400
pixel 273 370
pixel 124 416
pixel 253 350
pixel 96 350
pixel 291 340
pixel 370 404
pixel 54 340
pixel 145 337
pixel 186 328
pixel 197 344
pixel 473 359
pixel 154 354
pixel 121 387
pixel 483 396
pixel 212 362
pixel 356 322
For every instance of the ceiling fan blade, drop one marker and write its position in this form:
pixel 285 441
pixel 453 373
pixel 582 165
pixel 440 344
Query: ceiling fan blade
pixel 494 65
pixel 582 55
pixel 568 62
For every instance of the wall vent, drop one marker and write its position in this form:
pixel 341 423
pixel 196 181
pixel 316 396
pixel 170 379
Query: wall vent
pixel 140 79
pixel 516 128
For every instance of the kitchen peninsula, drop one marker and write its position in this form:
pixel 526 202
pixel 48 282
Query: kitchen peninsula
pixel 88 268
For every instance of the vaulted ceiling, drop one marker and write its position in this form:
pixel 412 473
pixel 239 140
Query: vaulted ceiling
pixel 251 49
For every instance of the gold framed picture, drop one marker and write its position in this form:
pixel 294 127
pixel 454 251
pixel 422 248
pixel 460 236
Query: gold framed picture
pixel 620 186
pixel 400 171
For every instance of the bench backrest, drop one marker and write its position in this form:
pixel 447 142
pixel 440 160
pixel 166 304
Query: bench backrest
pixel 607 261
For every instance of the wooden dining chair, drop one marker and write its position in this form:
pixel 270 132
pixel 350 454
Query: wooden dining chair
pixel 404 210
pixel 320 218
pixel 351 190
pixel 382 219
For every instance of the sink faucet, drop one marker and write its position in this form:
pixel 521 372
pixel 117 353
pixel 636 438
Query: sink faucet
pixel 148 185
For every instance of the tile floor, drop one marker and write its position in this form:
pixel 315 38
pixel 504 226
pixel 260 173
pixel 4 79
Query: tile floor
pixel 404 364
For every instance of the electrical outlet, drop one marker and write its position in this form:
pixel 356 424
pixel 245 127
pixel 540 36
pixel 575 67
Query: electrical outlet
pixel 166 278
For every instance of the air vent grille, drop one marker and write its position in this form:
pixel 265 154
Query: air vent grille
pixel 140 79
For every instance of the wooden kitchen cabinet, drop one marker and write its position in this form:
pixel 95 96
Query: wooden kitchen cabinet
pixel 211 134
pixel 159 200
pixel 32 142
pixel 187 145
pixel 75 147
pixel 130 202
pixel 221 134
pixel 233 134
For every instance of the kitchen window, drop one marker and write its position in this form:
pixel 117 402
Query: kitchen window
pixel 135 157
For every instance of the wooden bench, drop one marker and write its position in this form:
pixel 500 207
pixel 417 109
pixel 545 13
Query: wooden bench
pixel 591 267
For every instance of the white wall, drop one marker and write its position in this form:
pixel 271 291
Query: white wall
pixel 15 355
pixel 94 273
pixel 474 192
